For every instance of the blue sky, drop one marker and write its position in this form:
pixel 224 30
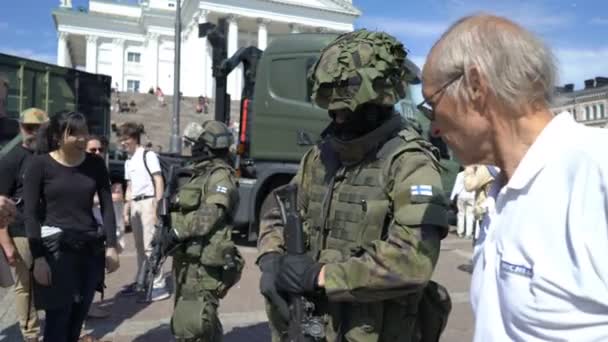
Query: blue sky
pixel 576 30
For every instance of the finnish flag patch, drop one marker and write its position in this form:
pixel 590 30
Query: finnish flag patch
pixel 421 190
pixel 221 189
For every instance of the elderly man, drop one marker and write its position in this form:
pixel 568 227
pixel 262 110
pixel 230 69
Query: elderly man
pixel 540 270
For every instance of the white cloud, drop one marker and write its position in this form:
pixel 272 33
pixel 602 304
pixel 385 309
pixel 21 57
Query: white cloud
pixel 404 27
pixel 31 54
pixel 574 65
pixel 577 65
pixel 599 21
pixel 531 15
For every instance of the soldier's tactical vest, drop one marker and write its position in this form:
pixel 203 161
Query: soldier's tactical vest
pixel 192 192
pixel 202 264
pixel 358 212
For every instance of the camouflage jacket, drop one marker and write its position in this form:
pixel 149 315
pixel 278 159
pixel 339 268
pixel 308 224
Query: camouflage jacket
pixel 376 226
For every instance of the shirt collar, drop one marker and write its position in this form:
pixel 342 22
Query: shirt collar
pixel 546 145
pixel 139 150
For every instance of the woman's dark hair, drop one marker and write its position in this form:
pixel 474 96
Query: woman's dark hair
pixel 131 130
pixel 102 140
pixel 60 124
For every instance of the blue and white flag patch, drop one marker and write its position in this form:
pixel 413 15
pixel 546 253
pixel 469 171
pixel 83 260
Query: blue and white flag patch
pixel 421 190
pixel 221 189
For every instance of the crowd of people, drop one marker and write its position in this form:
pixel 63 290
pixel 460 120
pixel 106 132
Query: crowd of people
pixel 369 195
pixel 63 221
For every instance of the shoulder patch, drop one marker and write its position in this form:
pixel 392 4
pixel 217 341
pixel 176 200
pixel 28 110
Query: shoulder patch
pixel 421 190
pixel 221 189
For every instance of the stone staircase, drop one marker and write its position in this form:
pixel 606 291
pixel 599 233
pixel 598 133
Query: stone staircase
pixel 157 119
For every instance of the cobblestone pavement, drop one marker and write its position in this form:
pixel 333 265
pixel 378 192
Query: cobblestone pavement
pixel 242 312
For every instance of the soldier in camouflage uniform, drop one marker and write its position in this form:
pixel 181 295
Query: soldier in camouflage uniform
pixel 371 202
pixel 206 262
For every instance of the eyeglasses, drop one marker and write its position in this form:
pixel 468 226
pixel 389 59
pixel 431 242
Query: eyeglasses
pixel 95 150
pixel 425 108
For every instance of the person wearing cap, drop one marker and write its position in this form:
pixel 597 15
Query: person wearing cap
pixel 12 169
pixel 206 263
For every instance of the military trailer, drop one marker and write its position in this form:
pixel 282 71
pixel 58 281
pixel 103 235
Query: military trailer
pixel 52 88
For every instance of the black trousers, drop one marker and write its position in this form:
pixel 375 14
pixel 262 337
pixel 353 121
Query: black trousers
pixel 75 277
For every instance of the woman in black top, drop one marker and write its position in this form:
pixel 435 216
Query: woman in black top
pixel 67 246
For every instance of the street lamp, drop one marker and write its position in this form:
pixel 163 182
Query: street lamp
pixel 175 143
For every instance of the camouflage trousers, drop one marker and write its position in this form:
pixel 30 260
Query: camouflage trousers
pixel 196 320
pixel 195 317
pixel 358 322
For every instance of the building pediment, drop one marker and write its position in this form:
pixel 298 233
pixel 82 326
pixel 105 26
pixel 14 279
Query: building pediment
pixel 96 21
pixel 340 6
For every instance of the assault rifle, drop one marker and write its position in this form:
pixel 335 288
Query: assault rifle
pixel 154 264
pixel 172 170
pixel 303 326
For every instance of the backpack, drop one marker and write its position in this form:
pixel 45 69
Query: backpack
pixel 166 161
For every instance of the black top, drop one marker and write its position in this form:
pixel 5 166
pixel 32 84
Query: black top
pixel 12 169
pixel 67 195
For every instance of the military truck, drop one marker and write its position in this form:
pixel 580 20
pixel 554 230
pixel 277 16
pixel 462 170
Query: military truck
pixel 278 123
pixel 52 88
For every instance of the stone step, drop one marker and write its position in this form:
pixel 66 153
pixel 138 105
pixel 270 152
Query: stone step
pixel 157 118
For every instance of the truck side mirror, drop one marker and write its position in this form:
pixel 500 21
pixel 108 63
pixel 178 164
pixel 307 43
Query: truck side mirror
pixel 304 139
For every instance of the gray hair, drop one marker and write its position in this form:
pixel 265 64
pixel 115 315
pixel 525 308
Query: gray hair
pixel 518 66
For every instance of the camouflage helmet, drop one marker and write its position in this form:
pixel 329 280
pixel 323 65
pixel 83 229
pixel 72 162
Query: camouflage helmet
pixel 214 134
pixel 357 68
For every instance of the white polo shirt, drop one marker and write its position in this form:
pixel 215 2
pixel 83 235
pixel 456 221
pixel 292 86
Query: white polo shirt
pixel 136 173
pixel 541 260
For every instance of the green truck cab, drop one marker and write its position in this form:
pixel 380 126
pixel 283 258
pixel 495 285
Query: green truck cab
pixel 53 89
pixel 278 123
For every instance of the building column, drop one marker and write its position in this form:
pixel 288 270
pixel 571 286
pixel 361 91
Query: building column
pixel 186 67
pixel 151 61
pixel 233 45
pixel 204 72
pixel 62 49
pixel 118 65
pixel 91 63
pixel 263 33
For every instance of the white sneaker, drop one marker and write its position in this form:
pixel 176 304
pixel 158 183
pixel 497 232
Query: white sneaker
pixel 160 293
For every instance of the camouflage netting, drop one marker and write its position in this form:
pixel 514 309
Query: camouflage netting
pixel 357 68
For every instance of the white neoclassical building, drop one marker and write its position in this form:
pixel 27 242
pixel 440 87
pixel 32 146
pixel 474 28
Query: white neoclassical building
pixel 133 41
pixel 588 105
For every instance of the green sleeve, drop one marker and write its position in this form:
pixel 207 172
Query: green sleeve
pixel 222 190
pixel 404 260
pixel 271 224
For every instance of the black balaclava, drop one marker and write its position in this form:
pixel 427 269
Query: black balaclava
pixel 365 119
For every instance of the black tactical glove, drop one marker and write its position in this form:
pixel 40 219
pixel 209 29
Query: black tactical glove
pixel 269 264
pixel 298 274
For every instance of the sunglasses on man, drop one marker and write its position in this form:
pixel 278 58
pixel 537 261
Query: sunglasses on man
pixel 30 127
pixel 95 150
